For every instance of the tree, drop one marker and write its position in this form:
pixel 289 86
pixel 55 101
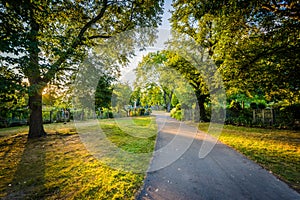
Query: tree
pixel 152 95
pixel 253 43
pixel 167 60
pixel 121 96
pixel 12 93
pixel 193 77
pixel 103 92
pixel 42 40
pixel 152 71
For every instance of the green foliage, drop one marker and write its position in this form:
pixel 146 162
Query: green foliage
pixel 161 64
pixel 177 113
pixel 254 44
pixel 13 95
pixel 107 114
pixel 235 106
pixel 239 117
pixel 121 96
pixel 153 75
pixel 103 92
pixel 175 100
pixel 288 116
pixel 150 95
pixel 45 41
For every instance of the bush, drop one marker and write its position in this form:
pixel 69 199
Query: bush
pixel 178 115
pixel 108 114
pixel 288 116
pixel 242 117
pixel 177 112
pixel 172 113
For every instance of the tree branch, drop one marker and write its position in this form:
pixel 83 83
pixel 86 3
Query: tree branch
pixel 292 12
pixel 99 36
pixel 76 42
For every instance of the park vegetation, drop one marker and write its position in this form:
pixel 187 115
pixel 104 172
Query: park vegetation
pixel 254 46
pixel 43 42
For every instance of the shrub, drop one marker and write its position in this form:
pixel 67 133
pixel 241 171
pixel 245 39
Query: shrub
pixel 178 106
pixel 177 112
pixel 172 113
pixel 288 116
pixel 108 114
pixel 178 115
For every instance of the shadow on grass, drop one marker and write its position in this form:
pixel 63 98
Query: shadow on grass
pixel 28 180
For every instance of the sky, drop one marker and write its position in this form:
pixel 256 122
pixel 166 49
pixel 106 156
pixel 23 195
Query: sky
pixel 127 73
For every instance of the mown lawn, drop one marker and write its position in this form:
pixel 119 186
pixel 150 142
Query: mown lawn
pixel 60 167
pixel 276 150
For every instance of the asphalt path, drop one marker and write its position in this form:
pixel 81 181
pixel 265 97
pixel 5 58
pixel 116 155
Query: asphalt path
pixel 176 172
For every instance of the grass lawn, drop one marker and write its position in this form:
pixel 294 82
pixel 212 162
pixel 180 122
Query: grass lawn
pixel 60 167
pixel 276 150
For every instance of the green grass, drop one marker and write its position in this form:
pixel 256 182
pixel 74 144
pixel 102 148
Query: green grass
pixel 60 167
pixel 276 150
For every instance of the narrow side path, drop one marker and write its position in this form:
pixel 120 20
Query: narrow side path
pixel 223 174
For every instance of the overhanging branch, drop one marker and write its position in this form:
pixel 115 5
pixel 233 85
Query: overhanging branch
pixel 76 42
pixel 99 36
pixel 291 11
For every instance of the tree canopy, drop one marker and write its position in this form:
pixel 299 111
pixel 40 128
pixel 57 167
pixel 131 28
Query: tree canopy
pixel 255 44
pixel 42 40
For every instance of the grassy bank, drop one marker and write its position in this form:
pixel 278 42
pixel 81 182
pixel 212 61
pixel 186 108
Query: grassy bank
pixel 276 150
pixel 60 167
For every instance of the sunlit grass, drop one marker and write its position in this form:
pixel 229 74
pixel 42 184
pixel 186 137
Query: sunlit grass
pixel 276 150
pixel 50 128
pixel 60 167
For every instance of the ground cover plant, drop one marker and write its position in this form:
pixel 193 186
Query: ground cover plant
pixel 63 168
pixel 276 150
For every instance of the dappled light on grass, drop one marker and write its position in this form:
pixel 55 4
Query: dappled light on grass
pixel 120 143
pixel 276 150
pixel 60 167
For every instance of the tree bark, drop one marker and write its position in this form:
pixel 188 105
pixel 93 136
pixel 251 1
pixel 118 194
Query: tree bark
pixel 203 115
pixel 36 128
pixel 200 106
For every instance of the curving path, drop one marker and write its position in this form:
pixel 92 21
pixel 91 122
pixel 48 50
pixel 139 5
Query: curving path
pixel 222 174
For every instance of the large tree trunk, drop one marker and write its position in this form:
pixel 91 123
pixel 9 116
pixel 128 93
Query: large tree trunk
pixel 32 71
pixel 203 115
pixel 200 106
pixel 36 128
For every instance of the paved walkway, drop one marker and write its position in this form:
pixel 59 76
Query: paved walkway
pixel 222 174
